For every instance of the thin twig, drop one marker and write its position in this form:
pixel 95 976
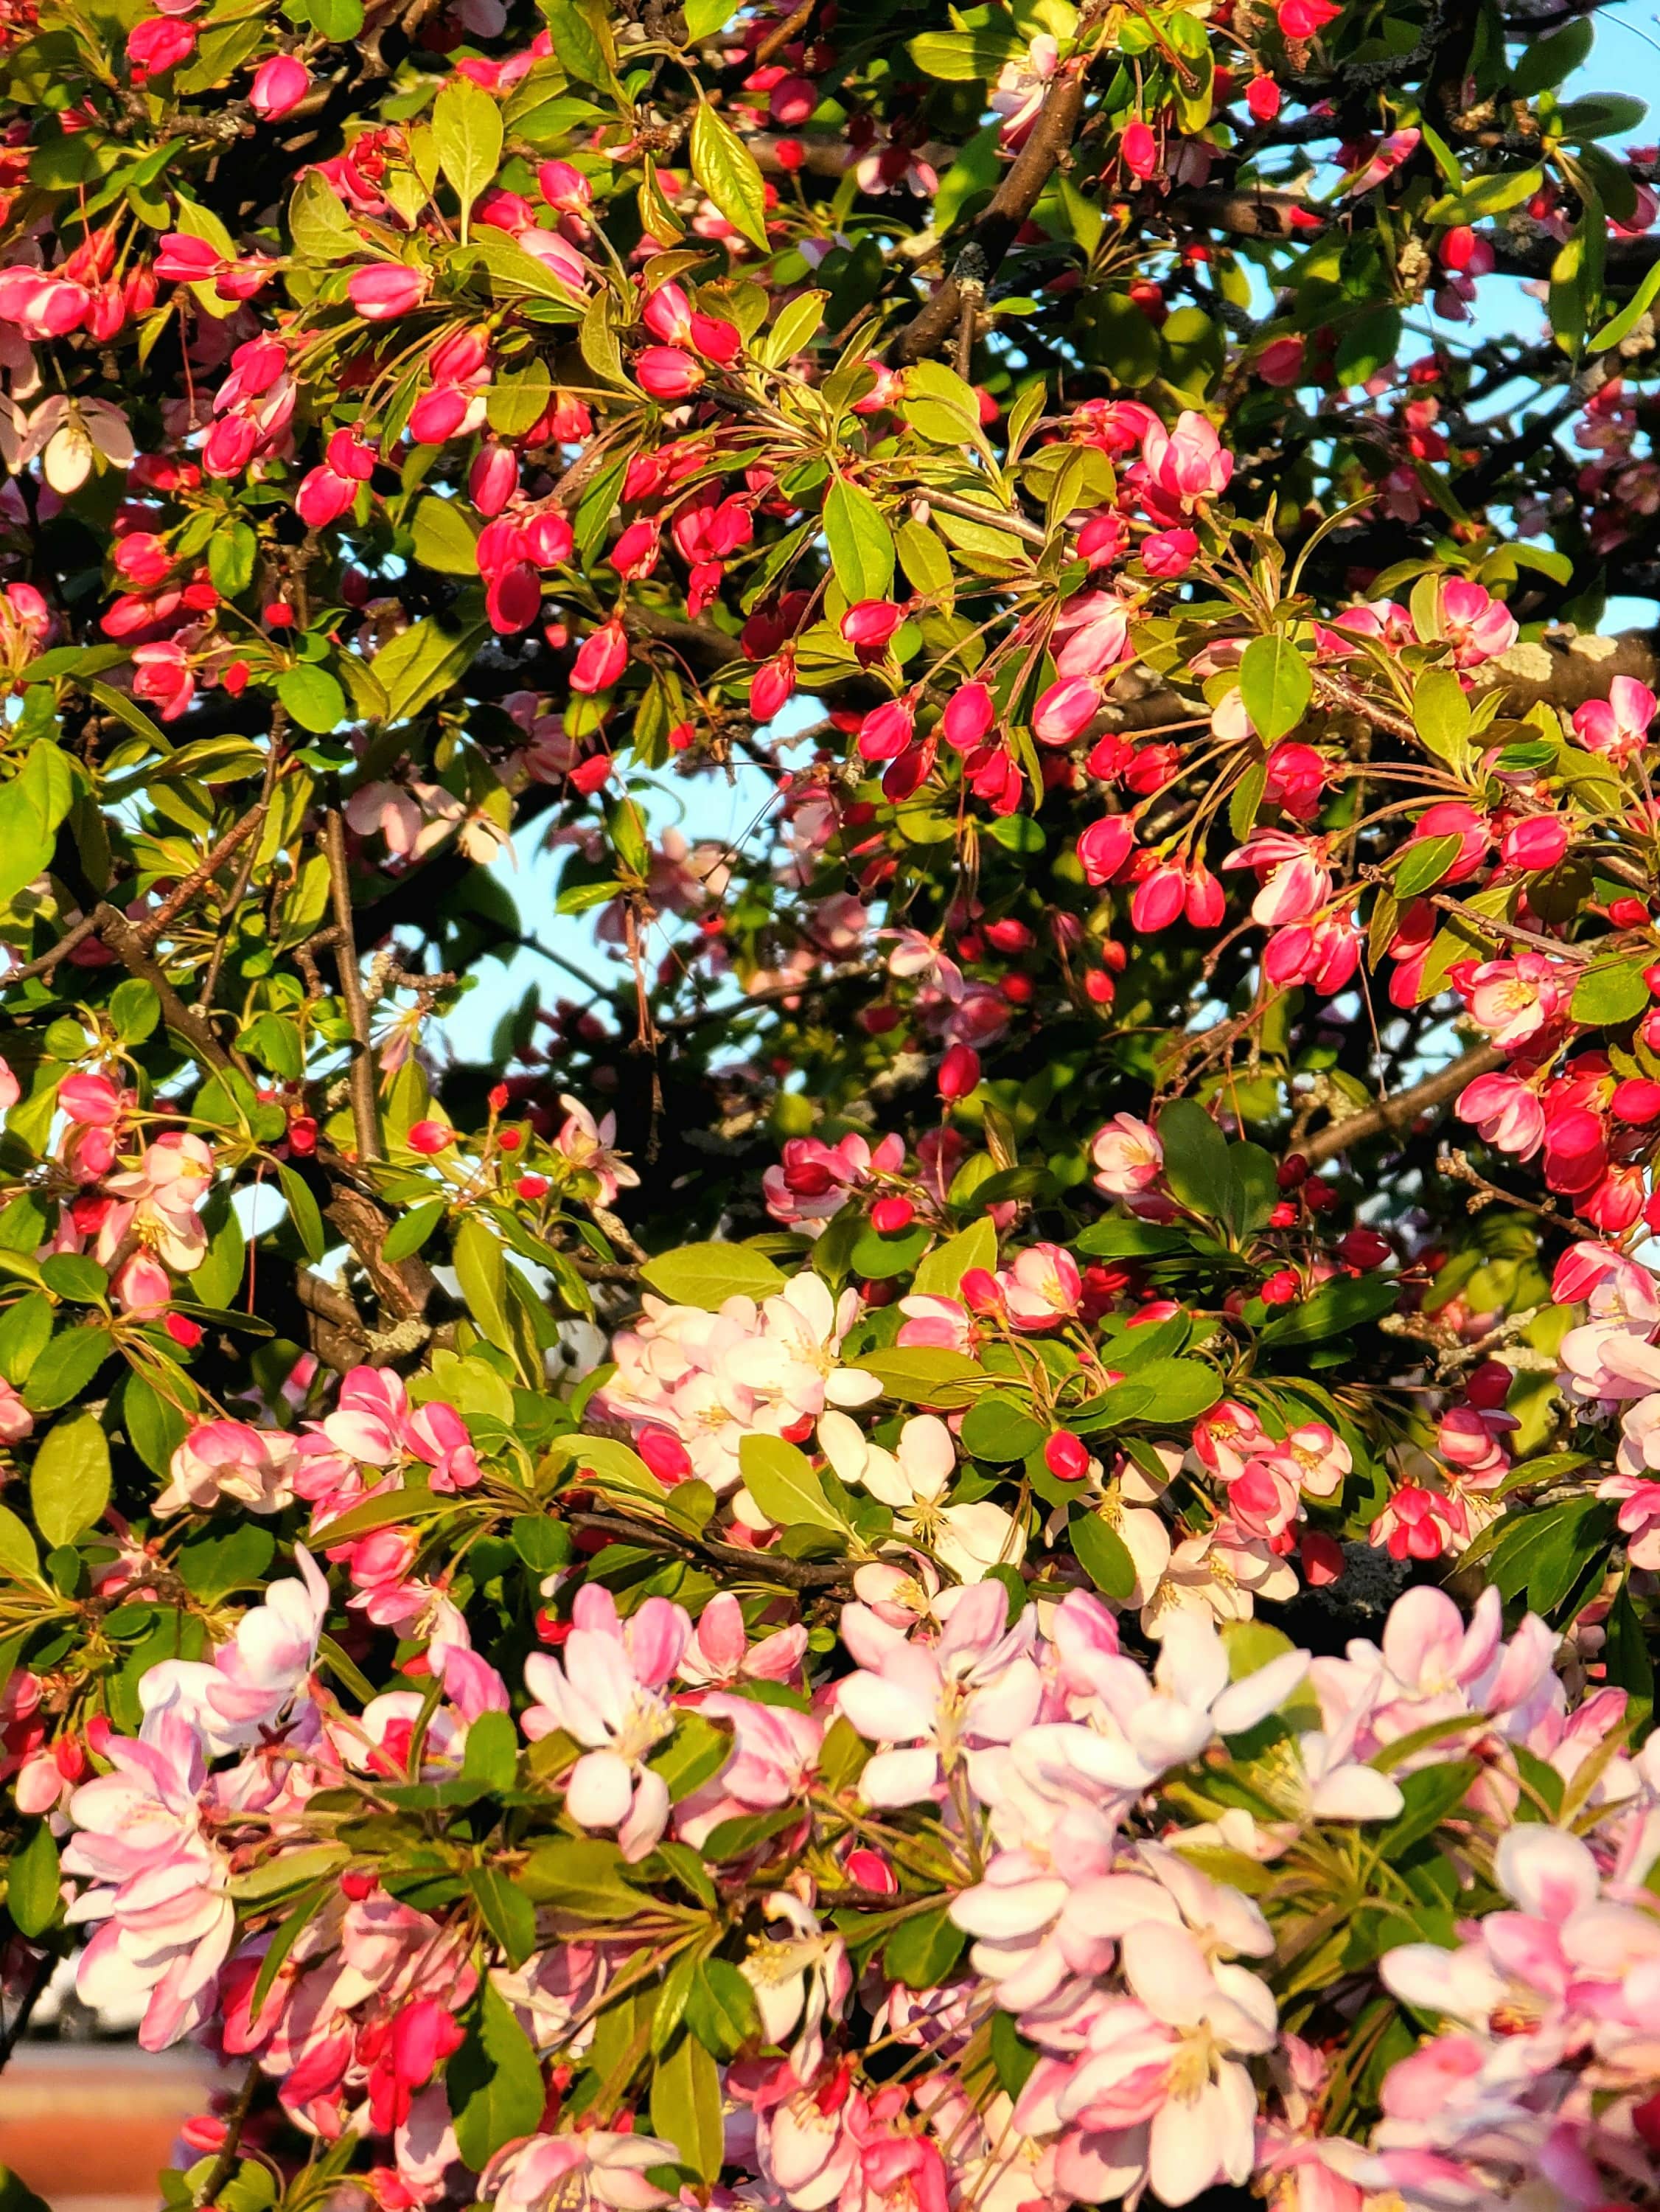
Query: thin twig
pixel 225 2164
pixel 365 1105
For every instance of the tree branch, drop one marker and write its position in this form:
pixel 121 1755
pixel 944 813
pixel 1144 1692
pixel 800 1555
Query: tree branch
pixel 1397 1114
pixel 996 229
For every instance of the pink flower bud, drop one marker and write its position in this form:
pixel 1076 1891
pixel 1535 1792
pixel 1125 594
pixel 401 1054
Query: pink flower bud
pixel 183 259
pixel 513 599
pixel 1065 710
pixel 959 1072
pixel 885 731
pixel 1159 899
pixel 968 717
pixel 1138 150
pixel 1262 99
pixel 564 187
pixel 1538 842
pixel 1105 847
pixel 279 86
pixel 1066 1456
pixel 158 45
pixel 635 553
pixel 668 315
pixel 429 1137
pixel 1169 553
pixel 772 686
pixel 1637 1100
pixel 868 625
pixel 493 478
pixel 888 1216
pixel 323 498
pixel 600 659
pixel 385 291
pixel 667 374
pixel 548 539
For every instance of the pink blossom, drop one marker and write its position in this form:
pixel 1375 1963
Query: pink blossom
pixel 608 1695
pixel 1506 1112
pixel 1128 1157
pixel 1478 626
pixel 1619 725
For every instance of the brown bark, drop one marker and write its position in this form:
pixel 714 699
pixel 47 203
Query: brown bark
pixel 1394 1116
pixel 982 256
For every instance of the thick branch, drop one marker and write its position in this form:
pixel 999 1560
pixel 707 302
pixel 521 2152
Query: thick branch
pixel 1397 1114
pixel 135 956
pixel 995 232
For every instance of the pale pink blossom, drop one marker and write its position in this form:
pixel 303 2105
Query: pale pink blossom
pixel 608 1695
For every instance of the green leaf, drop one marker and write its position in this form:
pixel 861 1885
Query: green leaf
pixel 507 1912
pixel 70 1482
pixel 584 1876
pixel 66 1367
pixel 31 1883
pixel 861 543
pixel 706 1275
pixel 686 2105
pixel 940 406
pixel 25 1327
pixel 1600 115
pixel 1011 2054
pixel 1543 63
pixel 1609 995
pixel 312 697
pixel 420 663
pixel 693 1755
pixel 1002 1427
pixel 1196 1158
pixel 794 326
pixel 1344 1303
pixel 410 1230
pixel 1426 860
pixel 963 56
pixel 721 2009
pixel 1629 1661
pixel 338 20
pixel 494 2082
pixel 781 1481
pixel 940 1272
pixel 212 1566
pixel 1431 1794
pixel 1441 712
pixel 1103 1555
pixel 922 1951
pixel 231 557
pixel 1621 325
pixel 1275 685
pixel 19 1560
pixel 155 1428
pixel 467 132
pixel 582 40
pixel 728 171
pixel 1163 1393
pixel 926 1375
pixel 303 1212
pixel 444 539
pixel 704 17
pixel 492 1753
pixel 482 1267
pixel 32 806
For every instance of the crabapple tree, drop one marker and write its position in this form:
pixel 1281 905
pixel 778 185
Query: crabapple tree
pixel 974 1525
